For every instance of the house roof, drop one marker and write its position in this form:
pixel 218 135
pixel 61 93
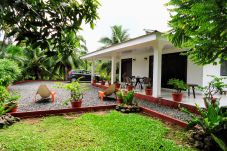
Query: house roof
pixel 124 46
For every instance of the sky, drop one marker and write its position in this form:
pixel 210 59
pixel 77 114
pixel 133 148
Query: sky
pixel 133 15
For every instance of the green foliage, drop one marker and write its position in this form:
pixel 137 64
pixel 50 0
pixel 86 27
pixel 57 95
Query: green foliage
pixel 199 26
pixel 215 86
pixel 213 120
pixel 177 84
pixel 126 96
pixel 221 144
pixel 118 35
pixel 9 72
pixel 111 131
pixel 5 99
pixel 43 23
pixel 75 88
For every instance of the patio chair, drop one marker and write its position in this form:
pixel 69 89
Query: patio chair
pixel 45 92
pixel 107 92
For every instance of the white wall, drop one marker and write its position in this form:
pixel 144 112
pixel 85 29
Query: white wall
pixel 140 67
pixel 194 73
pixel 211 70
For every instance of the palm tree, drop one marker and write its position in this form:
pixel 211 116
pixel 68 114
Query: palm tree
pixel 69 55
pixel 118 35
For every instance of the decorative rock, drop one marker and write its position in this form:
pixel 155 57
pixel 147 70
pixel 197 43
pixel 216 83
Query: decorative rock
pixel 199 144
pixel 7 120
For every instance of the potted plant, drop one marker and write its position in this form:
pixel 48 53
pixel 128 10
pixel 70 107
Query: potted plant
pixel 178 85
pixel 94 80
pixel 11 104
pixel 102 79
pixel 108 79
pixel 76 93
pixel 117 85
pixel 216 85
pixel 127 105
pixel 148 90
pixel 120 96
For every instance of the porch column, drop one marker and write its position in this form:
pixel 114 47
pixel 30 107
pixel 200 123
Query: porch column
pixel 120 69
pixel 113 69
pixel 92 70
pixel 157 71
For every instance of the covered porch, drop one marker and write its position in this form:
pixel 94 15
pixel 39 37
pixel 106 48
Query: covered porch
pixel 151 55
pixel 135 55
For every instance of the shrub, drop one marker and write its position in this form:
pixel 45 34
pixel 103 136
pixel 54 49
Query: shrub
pixel 9 72
pixel 178 85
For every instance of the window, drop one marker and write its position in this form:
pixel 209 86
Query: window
pixel 224 68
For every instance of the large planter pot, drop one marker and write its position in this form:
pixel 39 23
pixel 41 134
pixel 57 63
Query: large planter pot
pixel 119 101
pixel 148 91
pixel 103 82
pixel 76 104
pixel 129 87
pixel 177 96
pixel 117 85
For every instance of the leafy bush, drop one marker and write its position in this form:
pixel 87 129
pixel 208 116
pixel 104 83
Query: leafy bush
pixel 216 85
pixel 7 100
pixel 9 71
pixel 178 85
pixel 213 121
pixel 75 88
pixel 127 97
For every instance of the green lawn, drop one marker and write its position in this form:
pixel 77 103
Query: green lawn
pixel 111 131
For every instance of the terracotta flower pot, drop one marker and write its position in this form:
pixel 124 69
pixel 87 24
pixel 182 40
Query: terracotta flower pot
pixel 119 101
pixel 103 82
pixel 76 104
pixel 117 85
pixel 148 91
pixel 177 96
pixel 129 87
pixel 94 81
pixel 14 109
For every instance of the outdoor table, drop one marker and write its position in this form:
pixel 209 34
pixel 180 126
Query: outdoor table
pixel 193 89
pixel 138 82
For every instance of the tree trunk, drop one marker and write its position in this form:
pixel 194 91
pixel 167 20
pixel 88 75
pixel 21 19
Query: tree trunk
pixel 66 74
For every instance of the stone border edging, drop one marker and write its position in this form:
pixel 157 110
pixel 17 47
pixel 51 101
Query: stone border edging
pixel 163 117
pixel 61 111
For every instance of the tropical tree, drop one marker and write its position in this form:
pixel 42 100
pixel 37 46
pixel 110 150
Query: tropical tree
pixel 118 35
pixel 36 64
pixel 68 54
pixel 200 26
pixel 41 23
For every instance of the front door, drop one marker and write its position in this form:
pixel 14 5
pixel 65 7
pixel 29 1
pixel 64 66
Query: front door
pixel 174 65
pixel 126 68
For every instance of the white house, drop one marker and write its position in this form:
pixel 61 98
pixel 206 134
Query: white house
pixel 152 55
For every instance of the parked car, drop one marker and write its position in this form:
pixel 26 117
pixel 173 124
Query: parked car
pixel 85 75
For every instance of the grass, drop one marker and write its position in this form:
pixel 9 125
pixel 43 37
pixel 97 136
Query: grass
pixel 112 131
